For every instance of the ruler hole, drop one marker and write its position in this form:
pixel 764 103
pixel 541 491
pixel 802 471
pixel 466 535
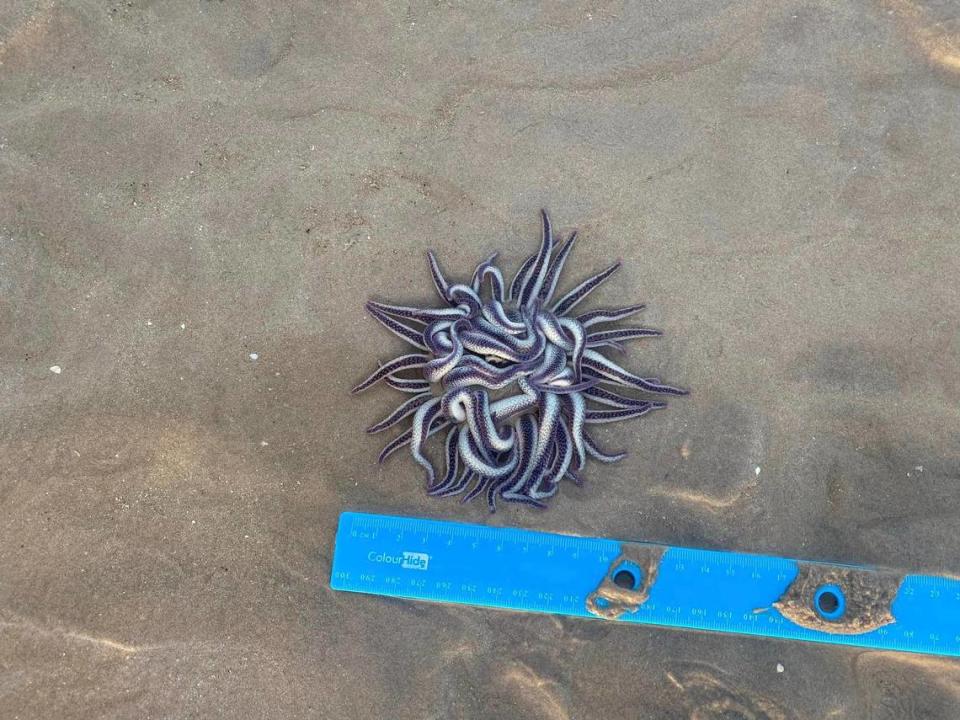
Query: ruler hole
pixel 628 575
pixel 829 602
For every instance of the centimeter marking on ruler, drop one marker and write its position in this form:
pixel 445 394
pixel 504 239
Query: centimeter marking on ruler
pixel 533 571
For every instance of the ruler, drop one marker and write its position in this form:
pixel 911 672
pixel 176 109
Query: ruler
pixel 645 583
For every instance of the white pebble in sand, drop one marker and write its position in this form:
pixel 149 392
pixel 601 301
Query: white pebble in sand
pixel 56 369
pixel 756 470
pixel 254 356
pixel 780 667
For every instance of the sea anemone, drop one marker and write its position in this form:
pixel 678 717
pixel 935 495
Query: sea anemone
pixel 511 377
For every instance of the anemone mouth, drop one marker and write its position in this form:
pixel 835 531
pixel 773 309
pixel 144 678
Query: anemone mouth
pixel 511 377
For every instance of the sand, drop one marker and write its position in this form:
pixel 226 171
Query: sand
pixel 196 198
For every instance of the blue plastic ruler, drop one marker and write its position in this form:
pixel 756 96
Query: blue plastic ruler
pixel 644 583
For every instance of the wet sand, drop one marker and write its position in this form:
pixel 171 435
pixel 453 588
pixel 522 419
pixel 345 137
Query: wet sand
pixel 197 198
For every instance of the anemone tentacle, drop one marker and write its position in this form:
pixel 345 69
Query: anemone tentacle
pixel 556 267
pixel 608 315
pixel 405 410
pixel 412 336
pixel 407 385
pixel 404 362
pixel 597 453
pixel 597 338
pixel 439 281
pixel 580 292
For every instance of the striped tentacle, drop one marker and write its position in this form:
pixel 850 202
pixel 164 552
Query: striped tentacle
pixel 530 288
pixel 597 453
pixel 464 295
pixel 439 281
pixel 596 417
pixel 486 346
pixel 556 268
pixel 526 448
pixel 563 455
pixel 480 465
pixel 488 269
pixel 576 409
pixel 404 438
pixel 452 459
pixel 576 296
pixel 607 397
pixel 409 334
pixel 619 347
pixel 498 320
pixel 435 370
pixel 407 385
pixel 404 362
pixel 406 409
pixel 578 339
pixel 608 369
pixel 421 315
pixel 456 487
pixel 552 364
pixel 563 386
pixel 516 404
pixel 598 338
pixel 521 277
pixel 484 429
pixel 608 315
pixel 422 420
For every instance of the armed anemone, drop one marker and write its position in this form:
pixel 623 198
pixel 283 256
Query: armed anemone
pixel 511 379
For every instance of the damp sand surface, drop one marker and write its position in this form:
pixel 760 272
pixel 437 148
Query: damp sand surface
pixel 197 198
